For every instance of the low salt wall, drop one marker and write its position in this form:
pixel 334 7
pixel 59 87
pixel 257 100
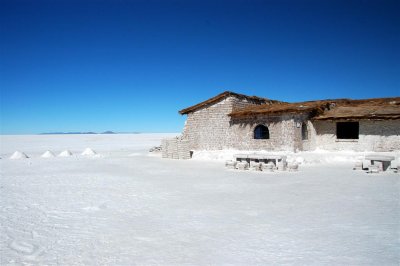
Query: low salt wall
pixel 175 149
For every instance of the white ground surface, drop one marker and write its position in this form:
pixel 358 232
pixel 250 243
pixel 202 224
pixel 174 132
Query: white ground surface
pixel 125 207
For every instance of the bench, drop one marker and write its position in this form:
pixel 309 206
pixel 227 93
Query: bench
pixel 262 158
pixel 265 160
pixel 382 162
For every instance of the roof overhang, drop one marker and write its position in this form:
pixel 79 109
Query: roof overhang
pixel 220 97
pixel 377 108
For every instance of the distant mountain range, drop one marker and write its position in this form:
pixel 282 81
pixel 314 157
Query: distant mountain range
pixel 83 133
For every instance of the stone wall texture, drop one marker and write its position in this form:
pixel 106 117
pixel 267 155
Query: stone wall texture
pixel 283 133
pixel 379 135
pixel 211 128
pixel 175 149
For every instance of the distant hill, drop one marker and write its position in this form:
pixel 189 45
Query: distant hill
pixel 66 133
pixel 88 133
pixel 108 132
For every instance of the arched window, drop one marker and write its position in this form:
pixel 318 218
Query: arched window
pixel 261 132
pixel 304 132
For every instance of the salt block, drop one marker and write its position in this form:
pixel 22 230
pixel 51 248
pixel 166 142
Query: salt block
pixel 268 167
pixel 373 169
pixel 230 164
pixel 366 164
pixel 358 165
pixel 242 165
pixel 255 166
pixel 293 167
pixel 281 166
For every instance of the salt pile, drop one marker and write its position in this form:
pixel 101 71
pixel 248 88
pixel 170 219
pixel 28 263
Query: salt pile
pixel 65 153
pixel 89 152
pixel 48 154
pixel 18 155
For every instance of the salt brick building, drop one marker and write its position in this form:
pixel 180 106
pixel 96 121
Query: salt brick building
pixel 236 121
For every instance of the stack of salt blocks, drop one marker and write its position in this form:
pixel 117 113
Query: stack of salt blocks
pixel 175 149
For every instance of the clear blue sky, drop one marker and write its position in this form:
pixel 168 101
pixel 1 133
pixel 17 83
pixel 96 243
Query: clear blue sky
pixel 80 65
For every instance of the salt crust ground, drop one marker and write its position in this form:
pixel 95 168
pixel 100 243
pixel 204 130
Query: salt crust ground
pixel 126 207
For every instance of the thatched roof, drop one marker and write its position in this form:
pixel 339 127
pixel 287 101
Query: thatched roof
pixel 219 97
pixel 378 108
pixel 280 108
pixel 381 108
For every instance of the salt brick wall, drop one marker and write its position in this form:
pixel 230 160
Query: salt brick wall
pixel 311 143
pixel 209 127
pixel 284 131
pixel 381 135
pixel 281 133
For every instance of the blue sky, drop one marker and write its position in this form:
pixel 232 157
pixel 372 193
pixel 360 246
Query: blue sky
pixel 70 65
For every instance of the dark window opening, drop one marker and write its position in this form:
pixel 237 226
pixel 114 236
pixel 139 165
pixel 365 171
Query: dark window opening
pixel 304 132
pixel 261 132
pixel 347 130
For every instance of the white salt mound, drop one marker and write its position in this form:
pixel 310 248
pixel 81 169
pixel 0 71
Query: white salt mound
pixel 18 155
pixel 48 154
pixel 65 153
pixel 88 151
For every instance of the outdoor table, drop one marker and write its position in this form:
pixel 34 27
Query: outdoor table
pixel 264 158
pixel 384 159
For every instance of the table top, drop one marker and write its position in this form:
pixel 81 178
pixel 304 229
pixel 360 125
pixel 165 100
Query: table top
pixel 260 156
pixel 378 157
